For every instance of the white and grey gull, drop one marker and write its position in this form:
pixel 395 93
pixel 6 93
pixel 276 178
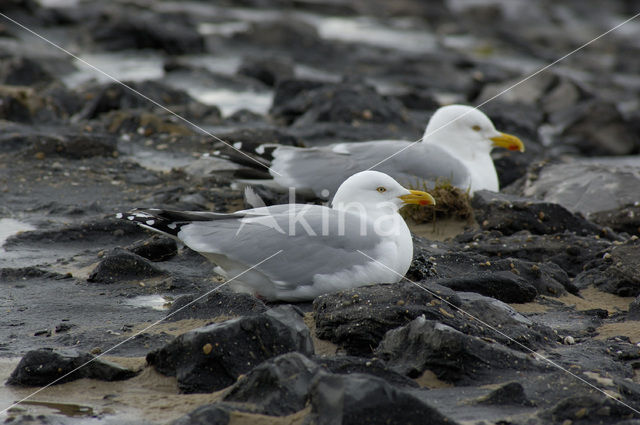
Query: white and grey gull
pixel 361 239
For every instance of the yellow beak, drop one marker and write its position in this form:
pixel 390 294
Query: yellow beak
pixel 418 197
pixel 508 141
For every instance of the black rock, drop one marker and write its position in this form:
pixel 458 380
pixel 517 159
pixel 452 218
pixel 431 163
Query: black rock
pixel 115 96
pixel 364 399
pixel 156 248
pixel 348 365
pixel 211 414
pixel 120 266
pixel 357 319
pixel 503 285
pixel 212 357
pixel 634 309
pixel 625 219
pixel 269 70
pixel 452 355
pixel 20 71
pixel 597 408
pixel 568 251
pixel 277 387
pixel 8 274
pixel 218 303
pixel 510 214
pixel 309 103
pixel 616 271
pixel 173 34
pixel 460 262
pixel 44 366
pixel 509 393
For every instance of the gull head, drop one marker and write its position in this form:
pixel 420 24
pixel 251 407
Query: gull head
pixel 373 190
pixel 465 130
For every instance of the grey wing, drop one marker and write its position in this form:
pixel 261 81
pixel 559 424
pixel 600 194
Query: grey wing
pixel 324 169
pixel 317 243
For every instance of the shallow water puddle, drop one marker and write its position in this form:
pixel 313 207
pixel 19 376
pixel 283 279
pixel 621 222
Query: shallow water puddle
pixel 10 227
pixel 67 409
pixel 155 302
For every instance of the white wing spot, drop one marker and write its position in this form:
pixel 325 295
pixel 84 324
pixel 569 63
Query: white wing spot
pixel 150 222
pixel 119 215
pixel 260 150
pixel 172 226
pixel 237 145
pixel 130 217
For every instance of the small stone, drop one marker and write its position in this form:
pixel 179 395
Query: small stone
pixel 206 349
pixel 569 340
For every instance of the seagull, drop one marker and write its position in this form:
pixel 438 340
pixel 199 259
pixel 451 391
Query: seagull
pixel 361 239
pixel 455 148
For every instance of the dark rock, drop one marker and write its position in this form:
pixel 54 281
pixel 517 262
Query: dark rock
pixel 347 365
pixel 357 319
pixel 597 408
pixel 269 70
pixel 308 103
pixel 216 304
pixel 173 34
pixel 277 387
pixel 212 357
pixel 8 274
pixel 577 185
pixel 115 96
pixel 120 265
pixel 567 250
pixel 15 105
pixel 634 309
pixel 615 272
pixel 503 285
pixel 363 399
pixel 510 214
pixel 509 393
pixel 20 71
pixel 44 366
pixel 74 146
pixel 451 355
pixel 418 100
pixel 212 414
pixel 598 128
pixel 156 248
pixel 625 219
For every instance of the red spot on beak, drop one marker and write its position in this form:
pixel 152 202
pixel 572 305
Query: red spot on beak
pixel 424 203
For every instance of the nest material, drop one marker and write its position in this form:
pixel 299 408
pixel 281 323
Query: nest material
pixel 451 202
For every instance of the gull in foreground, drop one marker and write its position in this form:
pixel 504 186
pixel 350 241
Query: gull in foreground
pixel 322 249
pixel 456 147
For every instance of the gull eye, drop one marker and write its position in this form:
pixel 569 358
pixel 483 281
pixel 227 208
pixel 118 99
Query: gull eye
pixel 476 128
pixel 381 189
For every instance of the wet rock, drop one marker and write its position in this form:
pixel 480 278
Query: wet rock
pixel 8 274
pixel 453 356
pixel 74 146
pixel 268 70
pixel 634 309
pixel 597 408
pixel 348 365
pixel 503 285
pixel 173 34
pixel 357 319
pixel 115 96
pixel 615 272
pixel 122 266
pixel 156 248
pixel 625 219
pixel 21 71
pixel 510 214
pixel 308 103
pixel 211 414
pixel 42 367
pixel 356 399
pixel 217 304
pixel 566 250
pixel 509 393
pixel 212 357
pixel 598 128
pixel 277 387
pixel 577 185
